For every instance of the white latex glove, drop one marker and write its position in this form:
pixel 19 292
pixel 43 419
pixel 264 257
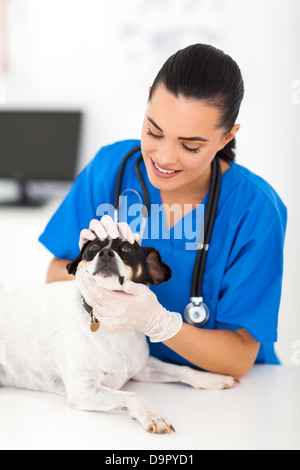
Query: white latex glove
pixel 135 308
pixel 106 227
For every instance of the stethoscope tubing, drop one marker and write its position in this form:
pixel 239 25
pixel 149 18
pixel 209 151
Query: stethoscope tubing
pixel 147 202
pixel 121 173
pixel 208 225
pixel 209 220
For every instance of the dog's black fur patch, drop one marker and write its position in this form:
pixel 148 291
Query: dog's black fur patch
pixel 146 263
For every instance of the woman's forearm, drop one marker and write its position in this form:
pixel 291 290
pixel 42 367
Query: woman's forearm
pixel 57 271
pixel 221 351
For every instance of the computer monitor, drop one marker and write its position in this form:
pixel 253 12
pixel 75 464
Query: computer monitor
pixel 38 145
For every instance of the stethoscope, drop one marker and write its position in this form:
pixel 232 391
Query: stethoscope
pixel 196 312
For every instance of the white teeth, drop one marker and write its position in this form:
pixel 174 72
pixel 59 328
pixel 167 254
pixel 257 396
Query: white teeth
pixel 163 171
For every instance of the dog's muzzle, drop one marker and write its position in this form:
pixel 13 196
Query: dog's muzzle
pixel 106 263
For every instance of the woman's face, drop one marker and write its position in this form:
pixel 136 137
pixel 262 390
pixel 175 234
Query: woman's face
pixel 180 135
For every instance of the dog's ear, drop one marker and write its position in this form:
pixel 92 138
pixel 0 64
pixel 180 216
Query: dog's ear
pixel 157 271
pixel 73 265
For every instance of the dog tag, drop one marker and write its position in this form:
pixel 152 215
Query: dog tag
pixel 94 323
pixel 94 327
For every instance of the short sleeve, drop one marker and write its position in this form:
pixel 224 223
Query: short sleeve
pixel 91 188
pixel 251 287
pixel 62 233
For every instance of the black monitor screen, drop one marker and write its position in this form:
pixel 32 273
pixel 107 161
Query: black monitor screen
pixel 38 145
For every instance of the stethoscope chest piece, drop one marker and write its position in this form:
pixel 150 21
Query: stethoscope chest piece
pixel 196 313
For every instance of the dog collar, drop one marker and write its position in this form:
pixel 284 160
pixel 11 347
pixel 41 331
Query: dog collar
pixel 94 322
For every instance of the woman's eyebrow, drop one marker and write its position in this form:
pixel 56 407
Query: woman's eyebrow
pixel 154 124
pixel 201 139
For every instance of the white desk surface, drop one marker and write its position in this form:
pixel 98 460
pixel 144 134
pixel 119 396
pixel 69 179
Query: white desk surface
pixel 263 412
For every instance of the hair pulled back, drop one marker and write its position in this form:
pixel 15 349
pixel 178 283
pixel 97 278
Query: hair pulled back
pixel 206 73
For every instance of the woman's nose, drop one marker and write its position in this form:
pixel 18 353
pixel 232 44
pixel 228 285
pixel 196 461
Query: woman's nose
pixel 166 156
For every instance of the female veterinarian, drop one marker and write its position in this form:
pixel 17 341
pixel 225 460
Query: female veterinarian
pixel 190 119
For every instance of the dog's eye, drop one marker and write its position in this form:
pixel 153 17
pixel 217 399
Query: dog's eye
pixel 93 247
pixel 126 249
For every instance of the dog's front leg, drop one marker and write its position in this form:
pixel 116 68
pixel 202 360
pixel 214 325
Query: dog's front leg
pixel 100 398
pixel 158 371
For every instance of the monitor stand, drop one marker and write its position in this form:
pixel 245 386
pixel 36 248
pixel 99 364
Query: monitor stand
pixel 24 199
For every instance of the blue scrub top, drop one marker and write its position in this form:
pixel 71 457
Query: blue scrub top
pixel 243 274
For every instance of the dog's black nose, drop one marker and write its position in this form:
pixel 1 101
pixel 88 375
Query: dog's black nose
pixel 106 254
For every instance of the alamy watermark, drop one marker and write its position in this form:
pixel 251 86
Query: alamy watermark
pixel 296 354
pixel 188 228
pixel 296 92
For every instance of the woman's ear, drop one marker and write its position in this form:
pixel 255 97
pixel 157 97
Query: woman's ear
pixel 230 136
pixel 157 271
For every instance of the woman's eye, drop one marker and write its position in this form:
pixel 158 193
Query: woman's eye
pixel 197 150
pixel 155 136
pixel 188 149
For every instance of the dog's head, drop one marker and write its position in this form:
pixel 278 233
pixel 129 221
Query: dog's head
pixel 111 262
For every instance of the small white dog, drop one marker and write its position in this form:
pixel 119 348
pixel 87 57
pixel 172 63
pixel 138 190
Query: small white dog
pixel 49 345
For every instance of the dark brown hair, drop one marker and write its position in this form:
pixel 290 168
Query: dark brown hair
pixel 206 73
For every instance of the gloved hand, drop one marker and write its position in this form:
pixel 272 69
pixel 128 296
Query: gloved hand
pixel 135 308
pixel 106 227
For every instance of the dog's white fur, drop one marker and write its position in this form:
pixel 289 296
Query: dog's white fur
pixel 49 347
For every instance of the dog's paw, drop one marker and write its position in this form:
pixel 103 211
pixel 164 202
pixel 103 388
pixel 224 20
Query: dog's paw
pixel 209 381
pixel 157 424
pixel 153 422
pixel 221 382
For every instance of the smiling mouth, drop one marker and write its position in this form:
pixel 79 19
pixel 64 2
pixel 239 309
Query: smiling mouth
pixel 164 171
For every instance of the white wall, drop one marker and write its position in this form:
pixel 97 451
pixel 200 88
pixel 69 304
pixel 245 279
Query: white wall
pixel 102 56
